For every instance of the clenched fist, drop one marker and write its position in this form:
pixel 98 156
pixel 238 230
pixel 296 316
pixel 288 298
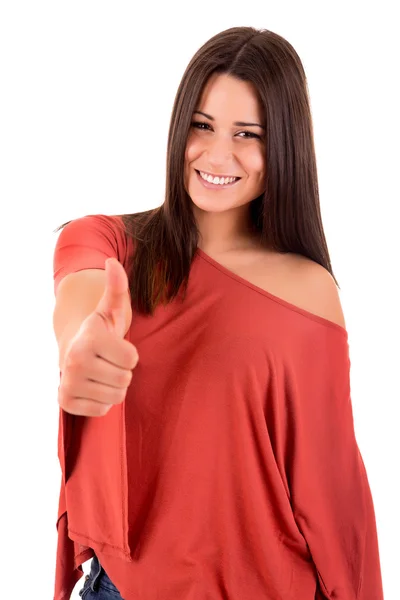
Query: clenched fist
pixel 98 361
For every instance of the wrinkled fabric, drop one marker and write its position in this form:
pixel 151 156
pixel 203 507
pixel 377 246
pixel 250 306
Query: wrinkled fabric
pixel 231 471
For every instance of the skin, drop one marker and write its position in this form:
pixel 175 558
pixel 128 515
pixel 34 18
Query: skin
pixel 219 147
pixel 222 148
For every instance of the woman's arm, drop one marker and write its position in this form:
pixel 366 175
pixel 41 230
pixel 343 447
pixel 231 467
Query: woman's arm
pixel 78 294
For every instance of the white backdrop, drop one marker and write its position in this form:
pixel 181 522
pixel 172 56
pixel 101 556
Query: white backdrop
pixel 86 95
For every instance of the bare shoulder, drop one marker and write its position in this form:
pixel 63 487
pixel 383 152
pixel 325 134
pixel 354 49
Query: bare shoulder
pixel 316 289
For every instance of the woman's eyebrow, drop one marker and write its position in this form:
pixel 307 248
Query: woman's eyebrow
pixel 238 123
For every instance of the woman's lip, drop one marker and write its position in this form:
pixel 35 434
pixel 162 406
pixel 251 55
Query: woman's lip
pixel 223 176
pixel 215 186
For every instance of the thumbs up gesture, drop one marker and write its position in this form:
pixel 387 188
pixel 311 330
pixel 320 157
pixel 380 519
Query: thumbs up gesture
pixel 98 361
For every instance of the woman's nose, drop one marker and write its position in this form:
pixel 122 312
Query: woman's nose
pixel 219 150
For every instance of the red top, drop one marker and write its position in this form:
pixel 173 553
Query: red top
pixel 231 471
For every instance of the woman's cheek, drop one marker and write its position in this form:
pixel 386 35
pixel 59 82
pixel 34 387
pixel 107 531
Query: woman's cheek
pixel 255 159
pixel 193 149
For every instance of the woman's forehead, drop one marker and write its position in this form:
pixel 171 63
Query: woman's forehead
pixel 224 96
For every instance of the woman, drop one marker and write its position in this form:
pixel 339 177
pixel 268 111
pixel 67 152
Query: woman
pixel 228 465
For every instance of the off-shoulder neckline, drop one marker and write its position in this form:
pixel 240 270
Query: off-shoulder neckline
pixel 271 296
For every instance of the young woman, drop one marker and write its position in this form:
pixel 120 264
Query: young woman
pixel 206 440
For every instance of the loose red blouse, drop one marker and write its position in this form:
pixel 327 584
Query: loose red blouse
pixel 231 470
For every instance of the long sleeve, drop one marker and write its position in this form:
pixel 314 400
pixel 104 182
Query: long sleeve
pixel 330 493
pixel 84 243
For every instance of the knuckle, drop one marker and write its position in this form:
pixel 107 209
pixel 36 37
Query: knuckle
pixel 63 394
pixel 64 403
pixel 124 378
pixel 134 358
pixel 74 358
pixel 118 396
pixel 68 388
pixel 131 354
pixel 88 345
pixel 98 409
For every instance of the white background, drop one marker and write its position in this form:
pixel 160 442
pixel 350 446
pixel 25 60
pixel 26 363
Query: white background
pixel 86 95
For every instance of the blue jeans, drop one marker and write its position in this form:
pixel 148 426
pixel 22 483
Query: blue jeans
pixel 98 586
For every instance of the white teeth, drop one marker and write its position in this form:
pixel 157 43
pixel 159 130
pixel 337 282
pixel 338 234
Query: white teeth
pixel 217 180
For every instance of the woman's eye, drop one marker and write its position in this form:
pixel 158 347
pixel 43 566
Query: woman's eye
pixel 199 125
pixel 251 134
pixel 204 126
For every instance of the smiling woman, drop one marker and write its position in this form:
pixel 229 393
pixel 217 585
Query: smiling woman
pixel 241 110
pixel 221 149
pixel 231 469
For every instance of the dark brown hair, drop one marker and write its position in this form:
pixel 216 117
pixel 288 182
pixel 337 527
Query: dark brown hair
pixel 286 217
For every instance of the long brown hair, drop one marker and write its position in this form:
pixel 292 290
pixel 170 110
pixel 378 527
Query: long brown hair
pixel 286 216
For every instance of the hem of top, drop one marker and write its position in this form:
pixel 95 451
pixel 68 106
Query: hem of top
pixel 77 574
pixel 282 301
pixel 98 546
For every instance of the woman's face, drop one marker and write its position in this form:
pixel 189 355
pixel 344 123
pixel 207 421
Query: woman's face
pixel 226 139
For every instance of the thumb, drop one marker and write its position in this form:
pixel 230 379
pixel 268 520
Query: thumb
pixel 112 304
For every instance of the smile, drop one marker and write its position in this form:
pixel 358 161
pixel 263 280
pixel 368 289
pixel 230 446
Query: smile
pixel 216 183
